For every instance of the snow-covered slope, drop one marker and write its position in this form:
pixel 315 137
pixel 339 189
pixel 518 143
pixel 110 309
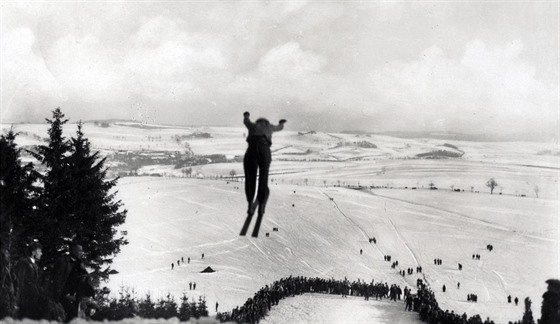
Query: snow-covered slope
pixel 173 218
pixel 323 223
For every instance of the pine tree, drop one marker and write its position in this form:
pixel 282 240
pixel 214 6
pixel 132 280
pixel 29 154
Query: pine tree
pixel 528 315
pixel 94 212
pixel 194 309
pixel 202 310
pixel 184 309
pixel 17 195
pixel 52 226
pixel 146 307
pixel 170 307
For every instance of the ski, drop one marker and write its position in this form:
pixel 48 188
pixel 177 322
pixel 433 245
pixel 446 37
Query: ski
pixel 246 224
pixel 257 225
pixel 260 215
pixel 250 214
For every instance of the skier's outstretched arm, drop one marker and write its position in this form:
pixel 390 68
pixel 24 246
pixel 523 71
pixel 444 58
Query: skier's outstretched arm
pixel 246 120
pixel 280 125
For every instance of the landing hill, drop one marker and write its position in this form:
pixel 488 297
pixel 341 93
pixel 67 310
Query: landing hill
pixel 330 193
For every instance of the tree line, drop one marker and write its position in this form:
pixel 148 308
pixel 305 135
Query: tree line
pixel 65 199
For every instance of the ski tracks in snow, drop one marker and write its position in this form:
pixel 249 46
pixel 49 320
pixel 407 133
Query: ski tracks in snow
pixel 403 241
pixel 364 234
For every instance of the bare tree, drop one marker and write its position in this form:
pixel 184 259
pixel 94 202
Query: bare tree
pixel 232 173
pixel 492 183
pixel 432 185
pixel 536 189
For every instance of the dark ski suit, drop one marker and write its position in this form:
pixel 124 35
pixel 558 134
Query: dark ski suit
pixel 258 158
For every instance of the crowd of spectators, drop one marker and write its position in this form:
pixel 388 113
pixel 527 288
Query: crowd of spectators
pixel 423 302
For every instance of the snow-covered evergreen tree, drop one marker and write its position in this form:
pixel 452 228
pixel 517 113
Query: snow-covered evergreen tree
pixel 93 212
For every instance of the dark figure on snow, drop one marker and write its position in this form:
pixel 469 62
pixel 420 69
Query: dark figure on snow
pixel 182 260
pixel 178 262
pixel 194 286
pixel 550 310
pixel 443 288
pixel 458 285
pixel 217 307
pixel 509 299
pixel 516 301
pixel 72 282
pixel 188 260
pixel 361 251
pixel 172 265
pixel 203 255
pixel 408 303
pixel 460 266
pixel 257 159
pixel 29 293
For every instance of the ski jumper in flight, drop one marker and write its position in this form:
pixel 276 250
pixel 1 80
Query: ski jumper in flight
pixel 257 159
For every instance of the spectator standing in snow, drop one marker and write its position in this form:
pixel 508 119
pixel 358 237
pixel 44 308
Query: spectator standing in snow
pixel 29 292
pixel 550 310
pixel 71 281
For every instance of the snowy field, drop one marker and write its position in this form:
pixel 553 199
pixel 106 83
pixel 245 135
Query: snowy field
pixel 173 218
pixel 322 226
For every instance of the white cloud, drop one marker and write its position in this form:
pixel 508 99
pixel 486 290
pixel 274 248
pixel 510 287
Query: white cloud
pixel 27 87
pixel 290 61
pixel 166 62
pixel 86 69
pixel 489 89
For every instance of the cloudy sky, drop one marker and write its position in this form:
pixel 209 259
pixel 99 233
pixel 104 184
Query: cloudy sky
pixel 467 66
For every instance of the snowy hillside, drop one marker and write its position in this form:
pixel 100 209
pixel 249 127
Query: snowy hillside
pixel 330 193
pixel 174 218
